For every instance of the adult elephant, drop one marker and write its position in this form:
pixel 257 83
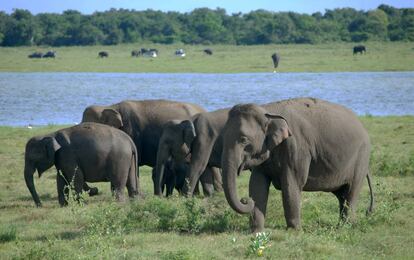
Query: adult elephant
pixel 275 59
pixel 199 138
pixel 312 145
pixel 103 54
pixel 144 121
pixel 359 49
pixel 86 152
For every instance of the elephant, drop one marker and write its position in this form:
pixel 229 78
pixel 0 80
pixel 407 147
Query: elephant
pixel 174 176
pixel 208 51
pixel 35 55
pixel 275 59
pixel 199 138
pixel 203 134
pixel 49 54
pixel 135 53
pixel 103 54
pixel 89 152
pixel 359 49
pixel 310 145
pixel 144 121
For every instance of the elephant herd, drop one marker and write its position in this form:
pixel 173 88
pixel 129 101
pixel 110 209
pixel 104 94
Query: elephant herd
pixel 301 144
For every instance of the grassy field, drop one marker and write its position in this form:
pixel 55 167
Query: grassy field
pixel 178 228
pixel 381 56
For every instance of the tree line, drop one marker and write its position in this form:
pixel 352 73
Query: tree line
pixel 205 26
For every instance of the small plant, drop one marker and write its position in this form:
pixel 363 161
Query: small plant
pixel 69 190
pixel 194 216
pixel 258 244
pixel 166 216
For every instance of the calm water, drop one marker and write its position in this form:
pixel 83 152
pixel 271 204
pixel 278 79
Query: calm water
pixel 60 98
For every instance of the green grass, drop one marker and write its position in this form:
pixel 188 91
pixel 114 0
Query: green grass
pixel 178 228
pixel 381 56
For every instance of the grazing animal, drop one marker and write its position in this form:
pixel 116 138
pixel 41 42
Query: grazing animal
pixel 135 53
pixel 359 49
pixel 149 52
pixel 311 145
pixel 154 51
pixel 275 59
pixel 50 54
pixel 180 53
pixel 103 54
pixel 86 152
pixel 208 51
pixel 35 55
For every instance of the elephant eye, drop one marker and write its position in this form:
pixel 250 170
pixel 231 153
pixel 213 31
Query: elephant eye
pixel 248 148
pixel 244 140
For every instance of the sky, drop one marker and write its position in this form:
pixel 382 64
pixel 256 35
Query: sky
pixel 231 6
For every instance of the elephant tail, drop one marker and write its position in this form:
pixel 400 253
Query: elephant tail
pixel 371 204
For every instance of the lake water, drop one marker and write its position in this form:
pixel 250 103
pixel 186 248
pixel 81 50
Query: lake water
pixel 60 98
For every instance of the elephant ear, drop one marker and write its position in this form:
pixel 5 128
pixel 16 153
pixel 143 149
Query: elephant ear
pixel 277 131
pixel 188 132
pixel 51 147
pixel 112 117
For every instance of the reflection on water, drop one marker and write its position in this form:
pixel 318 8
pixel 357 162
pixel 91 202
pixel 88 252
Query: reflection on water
pixel 60 98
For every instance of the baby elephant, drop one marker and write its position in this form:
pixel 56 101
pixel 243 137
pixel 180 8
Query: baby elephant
pixel 89 152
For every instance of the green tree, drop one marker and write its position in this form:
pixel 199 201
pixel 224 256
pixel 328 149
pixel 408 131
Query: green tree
pixel 20 29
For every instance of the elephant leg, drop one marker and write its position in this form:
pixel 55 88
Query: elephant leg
pixel 170 184
pixel 78 182
pixel 118 185
pixel 259 192
pixel 91 190
pixel 132 182
pixel 217 179
pixel 206 180
pixel 353 195
pixel 196 189
pixel 291 196
pixel 62 191
pixel 153 180
pixel 343 203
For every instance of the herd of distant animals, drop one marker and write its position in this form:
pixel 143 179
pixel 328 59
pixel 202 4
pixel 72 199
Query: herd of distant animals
pixel 153 53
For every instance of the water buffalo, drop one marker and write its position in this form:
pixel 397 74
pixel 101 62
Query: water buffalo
pixel 180 53
pixel 208 51
pixel 50 54
pixel 359 48
pixel 135 53
pixel 149 52
pixel 103 54
pixel 275 58
pixel 35 55
pixel 154 51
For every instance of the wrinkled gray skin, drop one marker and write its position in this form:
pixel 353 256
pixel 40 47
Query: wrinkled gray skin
pixel 87 152
pixel 143 121
pixel 198 138
pixel 316 146
pixel 204 135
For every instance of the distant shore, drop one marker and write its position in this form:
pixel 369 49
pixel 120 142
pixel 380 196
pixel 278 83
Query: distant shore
pixel 335 57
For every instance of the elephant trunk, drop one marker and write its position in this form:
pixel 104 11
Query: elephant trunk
pixel 162 157
pixel 28 177
pixel 231 166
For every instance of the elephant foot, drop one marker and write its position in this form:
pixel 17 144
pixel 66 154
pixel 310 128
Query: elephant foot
pixel 93 191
